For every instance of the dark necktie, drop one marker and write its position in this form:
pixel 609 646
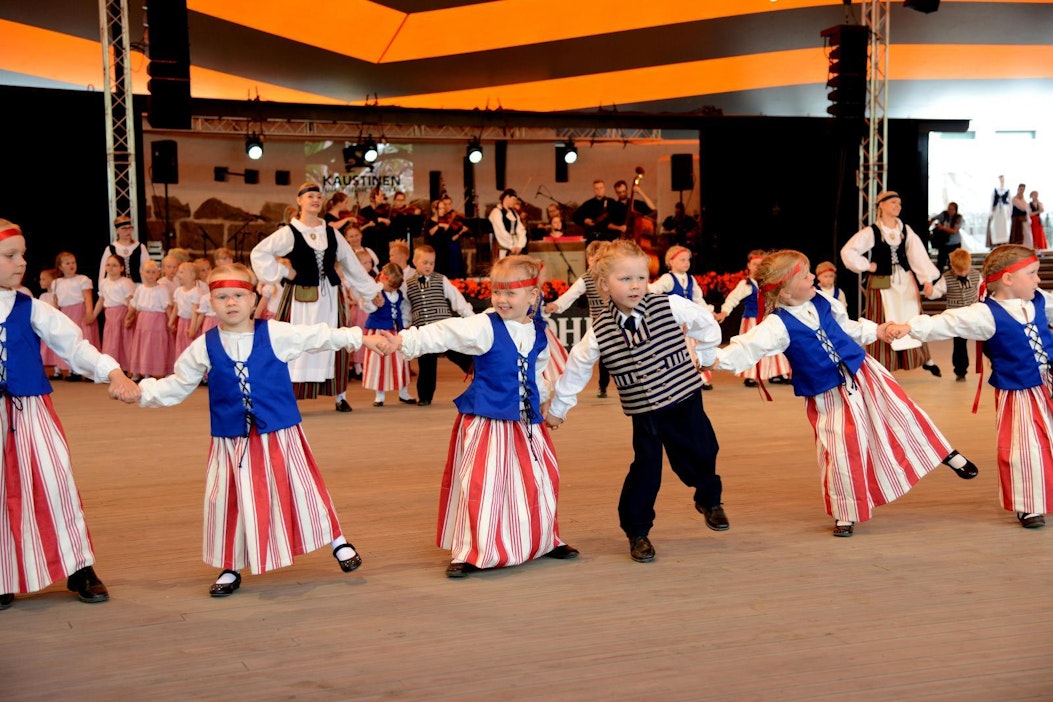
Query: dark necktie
pixel 630 324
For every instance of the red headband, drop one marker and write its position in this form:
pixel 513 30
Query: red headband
pixel 757 258
pixel 8 233
pixel 231 283
pixel 1010 268
pixel 513 284
pixel 768 287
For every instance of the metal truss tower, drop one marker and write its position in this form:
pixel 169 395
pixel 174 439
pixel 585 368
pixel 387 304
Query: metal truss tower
pixel 120 118
pixel 873 156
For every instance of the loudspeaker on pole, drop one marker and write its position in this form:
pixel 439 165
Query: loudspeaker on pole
pixel 164 162
pixel 434 185
pixel 500 163
pixel 681 168
pixel 168 43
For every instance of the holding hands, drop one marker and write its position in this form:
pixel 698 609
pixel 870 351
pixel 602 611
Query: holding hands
pixel 383 342
pixel 123 389
pixel 552 421
pixel 890 331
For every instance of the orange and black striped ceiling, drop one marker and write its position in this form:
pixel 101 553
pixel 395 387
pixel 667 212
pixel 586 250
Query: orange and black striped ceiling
pixel 743 56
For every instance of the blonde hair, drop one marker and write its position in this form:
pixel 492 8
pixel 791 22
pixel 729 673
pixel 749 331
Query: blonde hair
pixel 181 255
pixel 615 251
pixel 961 259
pixel 8 224
pixel 593 249
pixel 61 255
pixel 423 249
pixel 398 246
pixel 232 270
pixel 393 273
pixel 1001 258
pixel 675 251
pixel 513 268
pixel 775 271
pixel 222 251
pixel 824 267
pixel 756 253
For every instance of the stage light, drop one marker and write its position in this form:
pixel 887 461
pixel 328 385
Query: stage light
pixel 570 153
pixel 475 151
pixel 369 150
pixel 254 146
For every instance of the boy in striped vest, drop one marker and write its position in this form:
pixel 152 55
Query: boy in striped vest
pixel 963 289
pixel 638 337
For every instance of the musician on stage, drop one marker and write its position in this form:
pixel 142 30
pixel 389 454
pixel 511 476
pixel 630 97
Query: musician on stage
pixel 643 206
pixel 376 223
pixel 443 233
pixel 601 217
pixel 509 231
pixel 406 220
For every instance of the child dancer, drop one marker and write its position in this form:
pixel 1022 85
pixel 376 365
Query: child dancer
pixel 148 313
pixel 43 535
pixel 679 282
pixel 223 256
pixel 265 500
pixel 433 298
pixel 391 371
pixel 73 297
pixel 962 285
pixel 826 282
pixel 585 285
pixel 638 336
pixel 185 300
pixel 497 506
pixel 872 441
pixel 1013 323
pixel 774 369
pixel 115 290
pixel 53 365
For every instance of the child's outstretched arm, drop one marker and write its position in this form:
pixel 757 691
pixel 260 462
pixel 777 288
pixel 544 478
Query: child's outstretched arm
pixel 745 350
pixel 190 369
pixel 580 362
pixel 123 389
pixel 700 325
pixel 561 303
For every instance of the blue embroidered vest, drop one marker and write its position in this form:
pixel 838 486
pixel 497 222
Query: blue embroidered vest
pixel 23 374
pixel 388 316
pixel 817 369
pixel 1013 364
pixel 494 391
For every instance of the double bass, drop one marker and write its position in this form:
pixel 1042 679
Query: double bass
pixel 640 228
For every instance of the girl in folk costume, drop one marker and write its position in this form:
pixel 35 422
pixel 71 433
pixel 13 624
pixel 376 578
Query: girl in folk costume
pixel 51 359
pixel 895 261
pixel 826 282
pixel 585 285
pixel 115 291
pixel 998 221
pixel 872 441
pixel 73 297
pixel 679 282
pixel 265 500
pixel 355 314
pixel 185 301
pixel 312 291
pixel 1038 233
pixel 774 369
pixel 1013 322
pixel 43 535
pixel 499 491
pixel 641 339
pixel 148 314
pixel 133 254
pixel 387 372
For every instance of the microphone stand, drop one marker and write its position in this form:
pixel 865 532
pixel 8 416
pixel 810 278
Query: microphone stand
pixel 206 240
pixel 559 249
pixel 237 236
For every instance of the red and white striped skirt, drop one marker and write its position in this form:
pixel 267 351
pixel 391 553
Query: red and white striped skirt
pixel 116 338
pixel 90 331
pixel 557 358
pixel 873 443
pixel 770 366
pixel 497 506
pixel 391 372
pixel 265 501
pixel 43 536
pixel 1025 449
pixel 150 344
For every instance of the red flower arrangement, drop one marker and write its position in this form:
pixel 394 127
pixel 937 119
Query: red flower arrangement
pixel 479 288
pixel 724 282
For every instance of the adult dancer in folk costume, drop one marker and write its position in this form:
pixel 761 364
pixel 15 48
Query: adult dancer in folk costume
pixel 896 262
pixel 304 253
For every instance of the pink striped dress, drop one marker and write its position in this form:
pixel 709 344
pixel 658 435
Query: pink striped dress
pixel 150 340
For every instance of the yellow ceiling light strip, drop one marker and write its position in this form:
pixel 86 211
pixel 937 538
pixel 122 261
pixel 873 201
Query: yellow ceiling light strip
pixel 753 72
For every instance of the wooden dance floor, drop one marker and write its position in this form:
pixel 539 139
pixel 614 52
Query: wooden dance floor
pixel 941 597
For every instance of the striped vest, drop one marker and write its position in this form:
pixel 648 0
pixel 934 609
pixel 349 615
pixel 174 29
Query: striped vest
pixel 592 294
pixel 651 368
pixel 959 295
pixel 429 304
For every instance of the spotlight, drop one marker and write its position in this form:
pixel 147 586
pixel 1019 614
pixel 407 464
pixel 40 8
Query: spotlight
pixel 475 151
pixel 254 146
pixel 369 150
pixel 570 153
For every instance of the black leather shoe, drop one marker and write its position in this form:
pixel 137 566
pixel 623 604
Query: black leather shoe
pixel 750 383
pixel 601 394
pixel 640 549
pixel 934 369
pixel 459 570
pixel 343 406
pixel 842 530
pixel 707 386
pixel 966 472
pixel 407 400
pixel 778 380
pixel 378 403
pixel 563 552
pixel 87 586
pixel 6 600
pixel 348 564
pixel 226 589
pixel 716 519
pixel 73 378
pixel 1031 521
pixel 423 403
pixel 959 378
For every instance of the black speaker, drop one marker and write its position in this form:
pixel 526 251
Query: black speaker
pixel 925 6
pixel 282 177
pixel 500 162
pixel 681 171
pixel 562 171
pixel 252 176
pixel 164 162
pixel 434 185
pixel 169 68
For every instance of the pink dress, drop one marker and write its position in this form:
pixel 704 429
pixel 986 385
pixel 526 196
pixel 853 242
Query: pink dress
pixel 150 340
pixel 69 295
pixel 116 338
